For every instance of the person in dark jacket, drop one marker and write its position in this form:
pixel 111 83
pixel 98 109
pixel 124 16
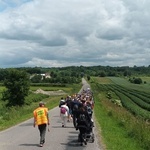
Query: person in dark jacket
pixel 74 107
pixel 69 103
pixel 83 122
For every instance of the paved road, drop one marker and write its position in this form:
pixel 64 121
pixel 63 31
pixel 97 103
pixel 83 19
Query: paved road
pixel 25 137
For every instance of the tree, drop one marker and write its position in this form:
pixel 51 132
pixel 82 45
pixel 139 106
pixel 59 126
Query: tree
pixel 3 73
pixel 127 73
pixel 102 74
pixel 137 80
pixel 36 79
pixel 88 77
pixel 17 87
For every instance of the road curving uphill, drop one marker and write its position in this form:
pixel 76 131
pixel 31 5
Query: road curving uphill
pixel 25 137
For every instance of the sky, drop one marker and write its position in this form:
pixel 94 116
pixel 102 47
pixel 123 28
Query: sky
pixel 60 33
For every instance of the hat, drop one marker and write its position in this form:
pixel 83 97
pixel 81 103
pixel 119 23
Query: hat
pixel 41 103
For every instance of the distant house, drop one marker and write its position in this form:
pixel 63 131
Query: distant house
pixel 44 76
pixel 47 75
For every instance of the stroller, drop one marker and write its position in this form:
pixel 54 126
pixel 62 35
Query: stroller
pixel 86 134
pixel 89 133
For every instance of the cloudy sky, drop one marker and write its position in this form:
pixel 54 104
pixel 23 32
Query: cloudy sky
pixel 59 33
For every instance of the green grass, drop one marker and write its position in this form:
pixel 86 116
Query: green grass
pixel 14 115
pixel 126 83
pixel 114 134
pixel 68 88
pixel 119 128
pixel 2 88
pixel 147 79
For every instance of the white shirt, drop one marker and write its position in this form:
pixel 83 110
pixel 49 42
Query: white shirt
pixel 67 108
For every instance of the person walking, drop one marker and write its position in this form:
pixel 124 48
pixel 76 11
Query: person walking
pixel 64 112
pixel 69 103
pixel 41 119
pixel 75 106
pixel 83 122
pixel 61 101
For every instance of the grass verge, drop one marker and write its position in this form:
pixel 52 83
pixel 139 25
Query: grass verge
pixel 119 129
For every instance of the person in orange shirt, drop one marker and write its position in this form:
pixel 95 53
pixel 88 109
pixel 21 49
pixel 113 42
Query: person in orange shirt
pixel 41 119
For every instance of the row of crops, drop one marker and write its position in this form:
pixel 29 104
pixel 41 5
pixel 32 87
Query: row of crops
pixel 135 101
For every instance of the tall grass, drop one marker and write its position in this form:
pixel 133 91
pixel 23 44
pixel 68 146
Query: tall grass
pixel 10 116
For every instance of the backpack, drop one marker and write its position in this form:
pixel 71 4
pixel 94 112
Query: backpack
pixel 63 110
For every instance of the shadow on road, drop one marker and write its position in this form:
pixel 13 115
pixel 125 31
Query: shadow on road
pixel 61 127
pixel 71 143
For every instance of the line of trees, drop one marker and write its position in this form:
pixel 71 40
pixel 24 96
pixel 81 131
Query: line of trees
pixel 17 80
pixel 73 73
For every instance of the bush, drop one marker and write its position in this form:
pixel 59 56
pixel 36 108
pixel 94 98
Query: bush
pixel 135 80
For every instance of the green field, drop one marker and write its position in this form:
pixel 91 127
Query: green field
pixel 14 115
pixel 123 126
pixel 126 83
pixel 126 124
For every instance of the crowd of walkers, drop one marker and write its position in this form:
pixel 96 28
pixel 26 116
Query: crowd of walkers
pixel 78 108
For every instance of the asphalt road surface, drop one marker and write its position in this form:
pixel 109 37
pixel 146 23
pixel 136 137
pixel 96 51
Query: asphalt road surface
pixel 25 137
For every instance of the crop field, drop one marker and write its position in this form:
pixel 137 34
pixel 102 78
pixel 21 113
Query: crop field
pixel 125 107
pixel 124 82
pixel 133 98
pixel 136 102
pixel 102 80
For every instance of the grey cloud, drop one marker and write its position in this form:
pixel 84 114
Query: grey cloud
pixel 57 41
pixel 87 32
pixel 111 34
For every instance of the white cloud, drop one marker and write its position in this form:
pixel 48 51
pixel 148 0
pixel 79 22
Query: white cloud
pixel 51 33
